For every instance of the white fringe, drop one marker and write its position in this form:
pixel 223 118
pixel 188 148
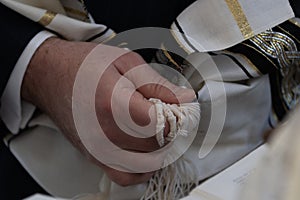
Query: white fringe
pixel 172 182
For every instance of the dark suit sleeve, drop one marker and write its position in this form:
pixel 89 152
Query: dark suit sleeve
pixel 16 32
pixel 295 4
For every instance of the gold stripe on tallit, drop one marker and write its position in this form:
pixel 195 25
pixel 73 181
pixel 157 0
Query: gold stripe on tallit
pixel 249 62
pixel 240 17
pixel 109 38
pixel 47 18
pixel 294 21
pixel 181 45
pixel 170 57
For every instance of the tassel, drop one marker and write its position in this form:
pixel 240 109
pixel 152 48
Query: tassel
pixel 172 182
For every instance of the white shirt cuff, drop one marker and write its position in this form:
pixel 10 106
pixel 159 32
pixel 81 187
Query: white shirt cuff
pixel 15 112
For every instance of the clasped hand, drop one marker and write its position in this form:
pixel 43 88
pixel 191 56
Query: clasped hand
pixel 49 81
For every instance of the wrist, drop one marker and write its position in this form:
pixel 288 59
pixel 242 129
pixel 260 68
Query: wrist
pixel 52 70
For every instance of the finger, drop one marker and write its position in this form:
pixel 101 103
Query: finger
pixel 137 115
pixel 123 178
pixel 149 82
pixel 138 110
pixel 142 112
pixel 133 105
pixel 127 179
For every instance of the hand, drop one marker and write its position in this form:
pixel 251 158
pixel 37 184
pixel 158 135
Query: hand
pixel 48 83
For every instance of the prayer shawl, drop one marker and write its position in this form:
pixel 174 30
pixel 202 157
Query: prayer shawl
pixel 209 25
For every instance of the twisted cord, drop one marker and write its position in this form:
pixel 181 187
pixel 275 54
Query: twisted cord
pixel 282 48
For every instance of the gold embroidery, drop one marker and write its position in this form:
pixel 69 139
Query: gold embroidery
pixel 240 17
pixel 109 38
pixel 278 46
pixel 123 44
pixel 253 66
pixel 286 32
pixel 261 53
pixel 170 57
pixel 180 43
pixel 247 45
pixel 295 22
pixel 47 18
pixel 75 12
pixel 282 48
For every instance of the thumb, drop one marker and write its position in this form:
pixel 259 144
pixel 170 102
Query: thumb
pixel 150 83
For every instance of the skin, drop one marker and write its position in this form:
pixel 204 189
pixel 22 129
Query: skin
pixel 48 84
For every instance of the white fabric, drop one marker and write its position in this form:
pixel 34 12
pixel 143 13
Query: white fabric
pixel 15 112
pixel 247 107
pixel 53 162
pixel 64 172
pixel 277 176
pixel 42 197
pixel 220 29
pixel 68 28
